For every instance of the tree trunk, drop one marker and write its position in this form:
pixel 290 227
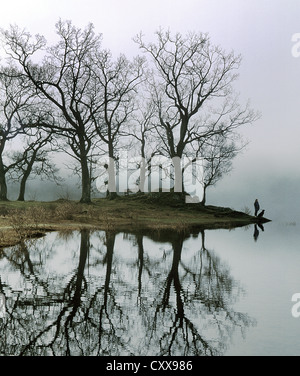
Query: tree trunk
pixel 139 241
pixel 3 186
pixel 112 191
pixel 85 171
pixel 85 181
pixel 22 189
pixel 24 180
pixel 203 202
pixel 203 240
pixel 178 174
pixel 110 243
pixel 142 187
pixel 84 251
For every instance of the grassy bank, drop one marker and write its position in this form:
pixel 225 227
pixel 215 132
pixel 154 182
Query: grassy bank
pixel 20 220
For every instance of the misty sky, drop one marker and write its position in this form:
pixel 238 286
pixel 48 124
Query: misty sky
pixel 260 30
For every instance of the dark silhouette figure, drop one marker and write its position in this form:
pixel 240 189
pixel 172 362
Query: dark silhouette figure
pixel 256 230
pixel 256 207
pixel 261 214
pixel 256 233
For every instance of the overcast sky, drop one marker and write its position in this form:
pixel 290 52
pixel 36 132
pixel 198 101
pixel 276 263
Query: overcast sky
pixel 261 30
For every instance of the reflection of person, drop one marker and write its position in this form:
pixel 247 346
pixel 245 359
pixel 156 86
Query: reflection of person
pixel 256 233
pixel 256 230
pixel 256 207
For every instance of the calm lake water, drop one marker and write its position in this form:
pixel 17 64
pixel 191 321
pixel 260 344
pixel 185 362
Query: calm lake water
pixel 218 292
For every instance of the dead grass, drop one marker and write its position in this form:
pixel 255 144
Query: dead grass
pixel 22 220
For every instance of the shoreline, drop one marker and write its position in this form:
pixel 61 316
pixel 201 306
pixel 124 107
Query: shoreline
pixel 32 219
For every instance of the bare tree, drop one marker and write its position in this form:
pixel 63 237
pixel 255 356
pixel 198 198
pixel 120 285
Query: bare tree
pixel 65 82
pixel 143 141
pixel 34 160
pixel 191 86
pixel 217 156
pixel 15 100
pixel 117 81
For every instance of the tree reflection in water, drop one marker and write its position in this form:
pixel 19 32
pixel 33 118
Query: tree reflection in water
pixel 96 293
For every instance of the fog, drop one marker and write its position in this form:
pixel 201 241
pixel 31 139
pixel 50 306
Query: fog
pixel 269 77
pixel 277 193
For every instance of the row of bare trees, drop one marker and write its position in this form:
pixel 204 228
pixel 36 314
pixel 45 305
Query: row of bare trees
pixel 176 100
